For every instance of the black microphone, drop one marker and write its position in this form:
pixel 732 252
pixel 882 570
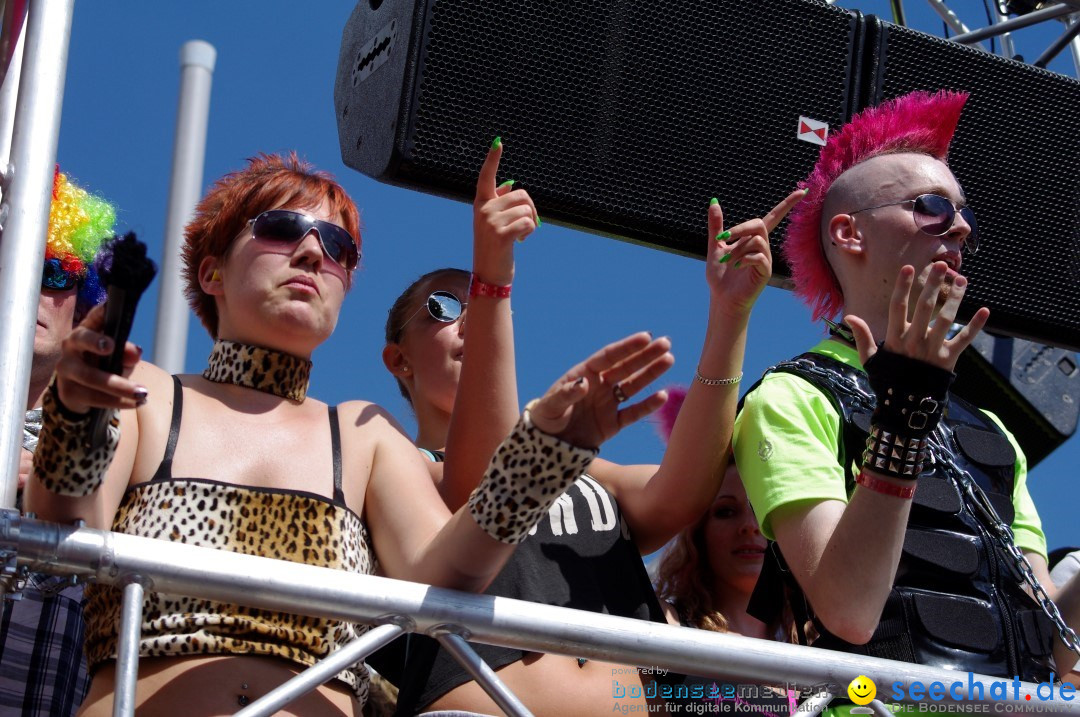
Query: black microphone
pixel 125 279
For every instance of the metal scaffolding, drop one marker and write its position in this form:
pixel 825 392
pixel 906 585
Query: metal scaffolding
pixel 143 564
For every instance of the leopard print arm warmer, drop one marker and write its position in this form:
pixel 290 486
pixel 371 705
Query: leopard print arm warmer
pixel 64 461
pixel 529 471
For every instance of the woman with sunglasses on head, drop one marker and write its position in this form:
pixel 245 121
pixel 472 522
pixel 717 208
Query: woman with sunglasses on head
pixel 239 458
pixel 583 555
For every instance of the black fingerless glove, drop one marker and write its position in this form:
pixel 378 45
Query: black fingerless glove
pixel 911 398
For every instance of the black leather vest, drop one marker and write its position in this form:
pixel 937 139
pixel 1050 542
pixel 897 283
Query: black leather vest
pixel 956 602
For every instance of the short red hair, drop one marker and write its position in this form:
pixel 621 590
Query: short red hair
pixel 919 122
pixel 268 181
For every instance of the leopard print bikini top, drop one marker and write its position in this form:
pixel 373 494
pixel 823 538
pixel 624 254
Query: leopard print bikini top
pixel 287 525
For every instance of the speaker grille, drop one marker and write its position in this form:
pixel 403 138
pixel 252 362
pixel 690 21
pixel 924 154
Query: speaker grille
pixel 1016 153
pixel 623 118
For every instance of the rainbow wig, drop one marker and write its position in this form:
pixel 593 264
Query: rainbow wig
pixel 79 226
pixel 918 122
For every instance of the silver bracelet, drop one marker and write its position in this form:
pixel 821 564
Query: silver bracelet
pixel 717 381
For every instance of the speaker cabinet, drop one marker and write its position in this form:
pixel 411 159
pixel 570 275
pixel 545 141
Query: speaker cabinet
pixel 1033 389
pixel 620 117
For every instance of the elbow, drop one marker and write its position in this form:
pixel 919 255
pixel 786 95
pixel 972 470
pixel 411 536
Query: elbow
pixel 851 626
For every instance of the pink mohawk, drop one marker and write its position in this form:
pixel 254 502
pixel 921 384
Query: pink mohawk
pixel 921 122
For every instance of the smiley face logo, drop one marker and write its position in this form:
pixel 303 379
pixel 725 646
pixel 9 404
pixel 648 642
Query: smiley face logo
pixel 862 690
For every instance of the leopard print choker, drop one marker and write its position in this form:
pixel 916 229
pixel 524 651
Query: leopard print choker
pixel 262 369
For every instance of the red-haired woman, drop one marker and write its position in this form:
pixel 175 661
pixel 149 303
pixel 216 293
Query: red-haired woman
pixel 240 458
pixel 587 553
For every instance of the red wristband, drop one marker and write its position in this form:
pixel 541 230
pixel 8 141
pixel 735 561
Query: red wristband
pixel 885 487
pixel 478 287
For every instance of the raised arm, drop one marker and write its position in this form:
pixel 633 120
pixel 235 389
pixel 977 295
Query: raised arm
pixel 830 545
pixel 415 536
pixel 658 503
pixel 71 481
pixel 486 405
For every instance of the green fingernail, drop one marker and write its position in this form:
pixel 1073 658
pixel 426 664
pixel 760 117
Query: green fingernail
pixel 723 236
pixel 507 183
pixel 737 264
pixel 496 143
pixel 713 202
pixel 726 258
pixel 539 223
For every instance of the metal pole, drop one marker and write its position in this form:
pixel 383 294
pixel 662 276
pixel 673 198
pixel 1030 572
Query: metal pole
pixel 185 187
pixel 1032 18
pixel 223 576
pixel 1074 46
pixel 481 671
pixel 951 19
pixel 1070 34
pixel 127 657
pixel 11 51
pixel 22 248
pixel 813 706
pixel 321 672
pixel 1007 48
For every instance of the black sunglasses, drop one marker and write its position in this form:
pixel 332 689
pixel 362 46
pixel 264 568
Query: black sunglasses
pixel 935 215
pixel 442 306
pixel 55 277
pixel 289 227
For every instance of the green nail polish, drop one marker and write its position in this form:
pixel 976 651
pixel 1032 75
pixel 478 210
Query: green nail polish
pixel 713 202
pixel 806 191
pixel 726 258
pixel 539 223
pixel 737 264
pixel 507 183
pixel 723 236
pixel 496 143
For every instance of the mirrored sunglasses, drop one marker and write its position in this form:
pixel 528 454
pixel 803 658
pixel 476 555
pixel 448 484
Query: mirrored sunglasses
pixel 442 306
pixel 935 215
pixel 55 278
pixel 288 227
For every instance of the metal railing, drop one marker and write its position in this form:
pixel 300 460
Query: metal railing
pixel 137 564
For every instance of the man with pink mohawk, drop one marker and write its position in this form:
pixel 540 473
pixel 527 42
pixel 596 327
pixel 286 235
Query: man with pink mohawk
pixel 873 482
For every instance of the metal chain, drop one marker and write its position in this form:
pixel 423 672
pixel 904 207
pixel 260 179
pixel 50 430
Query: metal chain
pixel 998 529
pixel 1003 534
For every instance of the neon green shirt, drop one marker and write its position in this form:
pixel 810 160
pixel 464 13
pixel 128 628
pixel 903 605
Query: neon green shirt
pixel 786 441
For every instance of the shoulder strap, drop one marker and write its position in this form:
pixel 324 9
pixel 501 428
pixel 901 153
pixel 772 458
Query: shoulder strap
pixel 164 471
pixel 335 447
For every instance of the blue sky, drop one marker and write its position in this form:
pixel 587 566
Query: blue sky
pixel 273 91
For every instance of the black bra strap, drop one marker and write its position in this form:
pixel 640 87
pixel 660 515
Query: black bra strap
pixel 335 446
pixel 164 471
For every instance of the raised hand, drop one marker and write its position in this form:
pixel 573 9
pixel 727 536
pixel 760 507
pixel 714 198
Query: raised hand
pixel 738 263
pixel 81 384
pixel 586 406
pixel 925 336
pixel 501 216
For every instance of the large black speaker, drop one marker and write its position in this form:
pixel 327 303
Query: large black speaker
pixel 1033 389
pixel 621 117
pixel 1017 155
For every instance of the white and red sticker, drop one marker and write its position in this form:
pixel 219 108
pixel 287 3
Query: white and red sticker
pixel 813 131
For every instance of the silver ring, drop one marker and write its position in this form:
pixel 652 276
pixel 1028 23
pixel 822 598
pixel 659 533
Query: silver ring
pixel 618 392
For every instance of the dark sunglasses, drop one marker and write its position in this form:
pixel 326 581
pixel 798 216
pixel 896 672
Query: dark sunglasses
pixel 289 227
pixel 442 306
pixel 55 278
pixel 935 215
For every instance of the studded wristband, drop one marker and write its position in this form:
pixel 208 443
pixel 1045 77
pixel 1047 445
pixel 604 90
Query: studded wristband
pixel 894 454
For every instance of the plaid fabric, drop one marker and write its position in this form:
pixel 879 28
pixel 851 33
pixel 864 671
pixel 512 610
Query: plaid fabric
pixel 42 665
